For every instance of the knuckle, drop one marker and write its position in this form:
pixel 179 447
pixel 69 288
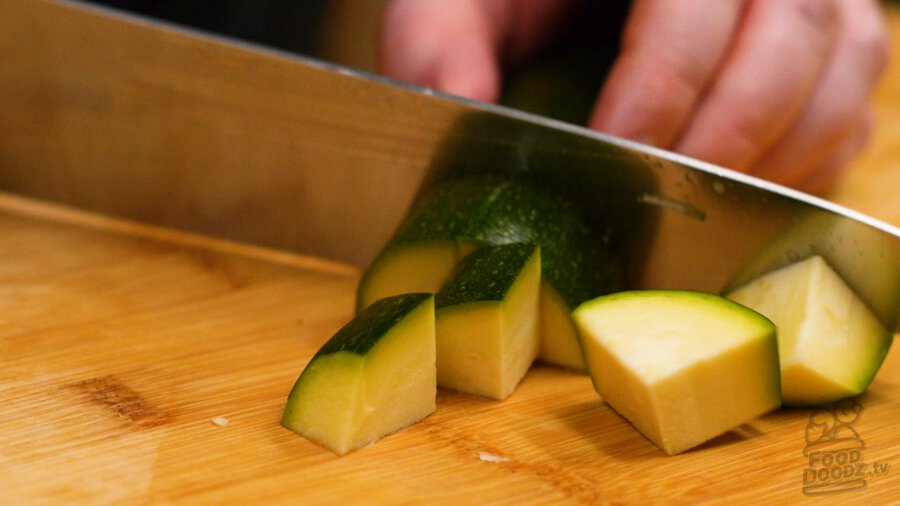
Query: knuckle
pixel 681 76
pixel 821 15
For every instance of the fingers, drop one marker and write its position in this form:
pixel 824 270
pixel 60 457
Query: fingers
pixel 835 122
pixel 772 70
pixel 666 62
pixel 451 46
pixel 460 47
pixel 773 87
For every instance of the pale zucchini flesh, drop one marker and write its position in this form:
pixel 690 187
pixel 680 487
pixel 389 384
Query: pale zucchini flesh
pixel 560 345
pixel 420 267
pixel 683 367
pixel 830 343
pixel 487 321
pixel 374 377
pixel 863 257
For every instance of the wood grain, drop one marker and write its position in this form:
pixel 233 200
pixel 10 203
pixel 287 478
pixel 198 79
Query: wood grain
pixel 120 343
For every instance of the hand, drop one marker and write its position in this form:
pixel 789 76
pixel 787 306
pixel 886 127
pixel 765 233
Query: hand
pixel 776 88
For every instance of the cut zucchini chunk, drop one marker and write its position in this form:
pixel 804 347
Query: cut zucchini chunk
pixel 487 321
pixel 374 377
pixel 461 214
pixel 681 366
pixel 829 343
pixel 408 268
pixel 432 239
pixel 865 258
pixel 560 345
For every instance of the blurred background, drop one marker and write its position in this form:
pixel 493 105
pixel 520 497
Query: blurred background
pixel 341 31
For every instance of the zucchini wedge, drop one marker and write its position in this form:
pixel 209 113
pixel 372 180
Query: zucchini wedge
pixel 374 377
pixel 681 366
pixel 487 321
pixel 830 343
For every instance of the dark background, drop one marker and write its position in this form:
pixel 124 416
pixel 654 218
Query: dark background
pixel 291 25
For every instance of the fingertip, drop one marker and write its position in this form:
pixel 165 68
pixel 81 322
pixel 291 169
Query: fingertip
pixel 664 67
pixel 449 48
pixel 625 107
pixel 405 48
pixel 471 74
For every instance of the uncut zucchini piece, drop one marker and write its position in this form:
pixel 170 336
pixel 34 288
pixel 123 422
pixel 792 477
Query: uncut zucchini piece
pixel 830 344
pixel 461 214
pixel 487 321
pixel 681 366
pixel 374 377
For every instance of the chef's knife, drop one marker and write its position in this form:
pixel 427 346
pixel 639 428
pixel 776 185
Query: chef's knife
pixel 142 119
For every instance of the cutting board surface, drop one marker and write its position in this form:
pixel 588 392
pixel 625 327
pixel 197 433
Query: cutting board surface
pixel 119 345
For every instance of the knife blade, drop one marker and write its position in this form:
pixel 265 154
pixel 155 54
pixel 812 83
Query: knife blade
pixel 158 123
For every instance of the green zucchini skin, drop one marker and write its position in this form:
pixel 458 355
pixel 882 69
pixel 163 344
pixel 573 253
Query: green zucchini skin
pixel 375 376
pixel 487 320
pixel 361 333
pixel 485 275
pixel 456 208
pixel 493 209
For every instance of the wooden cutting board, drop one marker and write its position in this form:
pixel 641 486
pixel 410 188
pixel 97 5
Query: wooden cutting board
pixel 120 344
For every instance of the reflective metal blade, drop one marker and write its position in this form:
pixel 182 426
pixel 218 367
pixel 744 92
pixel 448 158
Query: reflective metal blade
pixel 155 123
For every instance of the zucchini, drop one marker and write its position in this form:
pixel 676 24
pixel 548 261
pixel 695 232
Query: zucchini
pixel 830 344
pixel 487 321
pixel 375 376
pixel 681 366
pixel 462 214
pixel 429 243
pixel 864 257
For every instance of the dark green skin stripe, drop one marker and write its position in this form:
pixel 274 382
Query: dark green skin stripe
pixel 487 274
pixel 363 331
pixel 450 210
pixel 494 209
pixel 574 261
